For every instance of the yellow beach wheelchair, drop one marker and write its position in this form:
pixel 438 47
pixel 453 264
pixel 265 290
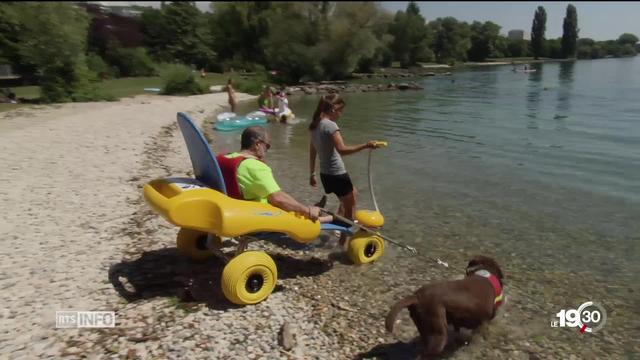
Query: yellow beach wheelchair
pixel 205 214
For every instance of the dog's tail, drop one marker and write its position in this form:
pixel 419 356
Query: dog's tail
pixel 397 307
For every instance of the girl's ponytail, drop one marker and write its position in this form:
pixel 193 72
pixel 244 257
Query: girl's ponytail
pixel 325 106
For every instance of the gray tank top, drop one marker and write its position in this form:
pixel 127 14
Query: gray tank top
pixel 322 138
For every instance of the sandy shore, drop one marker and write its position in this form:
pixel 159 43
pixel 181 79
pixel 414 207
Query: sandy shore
pixel 71 184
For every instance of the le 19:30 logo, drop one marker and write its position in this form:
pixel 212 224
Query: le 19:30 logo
pixel 589 317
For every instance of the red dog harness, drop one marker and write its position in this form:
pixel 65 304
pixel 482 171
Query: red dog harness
pixel 229 169
pixel 495 283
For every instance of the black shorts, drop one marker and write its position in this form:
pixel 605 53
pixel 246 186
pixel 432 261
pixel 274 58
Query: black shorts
pixel 338 184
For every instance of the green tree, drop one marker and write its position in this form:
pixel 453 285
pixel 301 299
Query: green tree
pixel 586 42
pixel 177 33
pixel 410 37
pixel 501 47
pixel 9 30
pixel 538 29
pixel 330 40
pixel 518 48
pixel 597 52
pixel 583 52
pixel 155 34
pixel 611 48
pixel 570 32
pixel 483 40
pixel 452 39
pixel 130 61
pixel 553 48
pixel 383 55
pixel 585 48
pixel 53 38
pixel 628 50
pixel 187 40
pixel 628 38
pixel 293 53
pixel 350 38
pixel 238 29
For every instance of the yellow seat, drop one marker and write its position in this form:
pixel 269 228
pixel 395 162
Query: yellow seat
pixel 187 203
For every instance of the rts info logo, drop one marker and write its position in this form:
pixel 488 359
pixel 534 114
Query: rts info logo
pixel 589 317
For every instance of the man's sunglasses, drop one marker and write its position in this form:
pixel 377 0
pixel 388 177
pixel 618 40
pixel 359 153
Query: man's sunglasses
pixel 266 143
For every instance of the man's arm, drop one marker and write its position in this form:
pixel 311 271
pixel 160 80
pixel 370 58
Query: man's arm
pixel 284 201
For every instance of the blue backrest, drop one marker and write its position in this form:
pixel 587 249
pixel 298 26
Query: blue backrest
pixel 205 166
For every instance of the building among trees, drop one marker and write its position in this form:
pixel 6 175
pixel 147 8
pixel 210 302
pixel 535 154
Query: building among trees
pixel 518 35
pixel 109 24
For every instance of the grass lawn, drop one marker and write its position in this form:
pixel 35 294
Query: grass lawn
pixel 122 87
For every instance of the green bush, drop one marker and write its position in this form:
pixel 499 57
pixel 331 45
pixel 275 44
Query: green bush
pixel 554 49
pixel 366 64
pixel 386 57
pixel 85 87
pixel 252 85
pixel 584 52
pixel 96 64
pixel 131 61
pixel 71 82
pixel 178 79
pixel 52 38
pixel 628 50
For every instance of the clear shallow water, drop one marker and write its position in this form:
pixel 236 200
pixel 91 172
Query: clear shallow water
pixel 539 170
pixel 557 148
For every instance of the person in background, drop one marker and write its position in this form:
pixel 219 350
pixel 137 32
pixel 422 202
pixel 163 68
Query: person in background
pixel 232 95
pixel 283 112
pixel 265 101
pixel 327 143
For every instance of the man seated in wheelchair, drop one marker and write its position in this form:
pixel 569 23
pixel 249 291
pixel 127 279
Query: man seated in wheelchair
pixel 247 177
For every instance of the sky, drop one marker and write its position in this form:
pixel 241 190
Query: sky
pixel 597 20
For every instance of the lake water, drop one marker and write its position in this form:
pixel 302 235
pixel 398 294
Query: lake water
pixel 539 170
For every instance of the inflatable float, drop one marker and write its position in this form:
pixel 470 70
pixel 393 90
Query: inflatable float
pixel 285 116
pixel 278 115
pixel 205 214
pixel 229 121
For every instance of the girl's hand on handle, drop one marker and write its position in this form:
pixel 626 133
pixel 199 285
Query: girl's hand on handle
pixel 374 144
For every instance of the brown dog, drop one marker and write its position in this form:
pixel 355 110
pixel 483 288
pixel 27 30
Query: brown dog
pixel 463 303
